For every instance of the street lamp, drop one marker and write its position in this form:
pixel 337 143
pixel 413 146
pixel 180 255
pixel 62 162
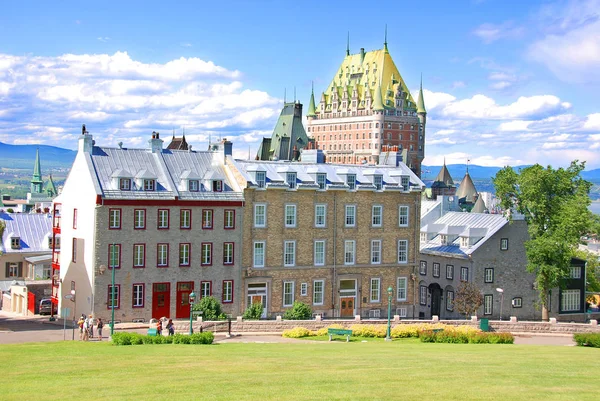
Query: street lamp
pixel 74 299
pixel 112 302
pixel 191 300
pixel 501 291
pixel 390 290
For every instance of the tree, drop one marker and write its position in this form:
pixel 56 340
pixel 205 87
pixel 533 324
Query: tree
pixel 555 206
pixel 468 298
pixel 254 311
pixel 592 269
pixel 211 309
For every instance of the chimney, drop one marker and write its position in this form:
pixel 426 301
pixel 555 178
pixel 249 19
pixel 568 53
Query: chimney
pixel 362 54
pixel 156 144
pixel 86 141
pixel 227 147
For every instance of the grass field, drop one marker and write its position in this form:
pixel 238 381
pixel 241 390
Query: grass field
pixel 401 370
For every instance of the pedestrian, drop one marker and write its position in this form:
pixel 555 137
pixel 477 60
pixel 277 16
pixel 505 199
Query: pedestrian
pixel 80 325
pixel 86 329
pixel 99 327
pixel 91 325
pixel 159 327
pixel 171 327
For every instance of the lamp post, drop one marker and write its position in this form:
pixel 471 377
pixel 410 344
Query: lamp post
pixel 501 291
pixel 390 290
pixel 112 302
pixel 191 300
pixel 74 299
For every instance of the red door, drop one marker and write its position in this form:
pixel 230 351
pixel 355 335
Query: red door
pixel 182 309
pixel 31 302
pixel 161 300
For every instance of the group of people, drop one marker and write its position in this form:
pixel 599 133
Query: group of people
pixel 170 327
pixel 86 327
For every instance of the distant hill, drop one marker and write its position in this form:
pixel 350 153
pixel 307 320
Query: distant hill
pixel 23 156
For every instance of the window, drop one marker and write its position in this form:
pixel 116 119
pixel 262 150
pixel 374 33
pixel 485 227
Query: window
pixel 227 291
pixel 351 181
pixel 322 180
pixel 436 269
pixel 184 254
pixel 205 289
pixel 403 216
pixel 376 215
pixel 350 215
pixel 139 255
pixel 74 218
pixel 303 289
pixel 504 244
pixel 288 293
pixel 517 302
pixel 217 186
pixel 423 295
pixel 349 252
pixel 289 253
pixel 138 296
pixel 206 250
pixel 570 301
pixel 260 215
pixel 124 184
pixel 402 285
pixel 378 182
pixel 423 268
pixel 450 272
pixel 575 272
pixel 290 216
pixel 114 219
pixel 318 291
pixel 15 242
pixel 259 254
pixel 193 185
pixel 163 219
pixel 185 219
pixel 374 289
pixel 139 219
pixel 162 255
pixel 113 299
pixel 404 182
pixel 149 185
pixel 229 218
pixel 261 179
pixel 74 251
pixel 375 252
pixel 489 275
pixel 319 253
pixel 14 269
pixel 464 274
pixel 207 219
pixel 114 256
pixel 290 178
pixel 488 304
pixel 450 300
pixel 320 215
pixel 402 251
pixel 228 253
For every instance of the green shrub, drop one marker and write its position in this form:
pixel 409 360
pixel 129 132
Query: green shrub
pixel 323 331
pixel 202 338
pixel 297 332
pixel 587 339
pixel 181 339
pixel 479 338
pixel 211 309
pixel 253 312
pixel 137 339
pixel 369 330
pixel 300 311
pixel 426 336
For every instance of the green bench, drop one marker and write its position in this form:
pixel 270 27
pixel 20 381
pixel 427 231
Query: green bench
pixel 339 332
pixel 437 330
pixel 152 332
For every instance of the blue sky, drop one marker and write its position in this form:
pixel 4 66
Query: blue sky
pixel 506 82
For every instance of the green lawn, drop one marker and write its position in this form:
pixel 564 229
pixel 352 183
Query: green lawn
pixel 402 369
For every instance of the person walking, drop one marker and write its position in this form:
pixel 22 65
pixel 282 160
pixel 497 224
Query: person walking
pixel 171 327
pixel 99 328
pixel 91 326
pixel 159 327
pixel 80 325
pixel 86 329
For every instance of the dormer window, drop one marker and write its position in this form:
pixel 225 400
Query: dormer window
pixel 443 239
pixel 405 181
pixel 378 182
pixel 149 185
pixel 423 237
pixel 261 179
pixel 15 243
pixel 290 178
pixel 351 181
pixel 217 186
pixel 125 184
pixel 464 242
pixel 322 180
pixel 193 185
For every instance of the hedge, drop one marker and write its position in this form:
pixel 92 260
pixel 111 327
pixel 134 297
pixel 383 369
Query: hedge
pixel 462 337
pixel 380 330
pixel 587 339
pixel 125 338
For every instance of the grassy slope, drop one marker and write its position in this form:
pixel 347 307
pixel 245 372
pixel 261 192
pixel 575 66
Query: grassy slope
pixel 321 371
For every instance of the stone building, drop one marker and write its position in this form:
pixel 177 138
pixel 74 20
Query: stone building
pixel 331 235
pixel 366 107
pixel 163 222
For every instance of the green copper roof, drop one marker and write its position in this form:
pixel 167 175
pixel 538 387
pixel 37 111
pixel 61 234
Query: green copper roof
pixel 51 188
pixel 288 133
pixel 421 103
pixel 37 170
pixel 311 105
pixel 377 102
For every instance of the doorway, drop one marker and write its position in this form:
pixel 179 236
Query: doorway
pixel 182 308
pixel 257 293
pixel 347 298
pixel 436 299
pixel 161 300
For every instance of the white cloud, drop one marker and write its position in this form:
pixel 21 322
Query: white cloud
pixel 458 84
pixel 442 141
pixel 592 122
pixel 517 125
pixel 489 33
pixel 103 38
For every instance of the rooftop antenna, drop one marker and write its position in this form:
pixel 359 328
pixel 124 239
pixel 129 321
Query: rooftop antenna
pixel 294 94
pixel 284 94
pixel 348 44
pixel 385 40
pixel 248 152
pixel 468 160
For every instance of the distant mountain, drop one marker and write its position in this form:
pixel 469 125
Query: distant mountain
pixel 23 156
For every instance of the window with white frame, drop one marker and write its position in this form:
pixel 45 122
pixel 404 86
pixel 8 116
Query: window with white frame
pixel 163 218
pixel 349 252
pixel 217 186
pixel 575 272
pixel 184 254
pixel 227 291
pixel 376 215
pixel 450 272
pixel 185 218
pixel 488 304
pixel 114 253
pixel 228 253
pixel 375 289
pixel 139 255
pixel 319 252
pixel 320 215
pixel 318 291
pixel 114 296
pixel 375 252
pixel 351 181
pixel 350 220
pixel 423 268
pixel 290 178
pixel 450 300
pixel 403 216
pixel 207 219
pixel 378 182
pixel 289 253
pixel 205 289
pixel 517 302
pixel 259 254
pixel 489 275
pixel 229 219
pixel 504 244
pixel 290 216
pixel 193 185
pixel 138 295
pixel 405 182
pixel 139 219
pixel 288 293
pixel 436 269
pixel 206 253
pixel 423 295
pixel 570 300
pixel 303 289
pixel 464 274
pixel 125 184
pixel 149 185
pixel 162 255
pixel 261 179
pixel 114 221
pixel 402 286
pixel 322 180
pixel 260 215
pixel 403 251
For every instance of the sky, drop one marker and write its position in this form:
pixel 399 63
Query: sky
pixel 505 82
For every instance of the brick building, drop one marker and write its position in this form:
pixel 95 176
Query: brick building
pixel 331 235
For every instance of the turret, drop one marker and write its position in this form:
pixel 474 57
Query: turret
pixel 312 112
pixel 36 179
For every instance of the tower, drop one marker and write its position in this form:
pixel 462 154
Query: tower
pixel 36 179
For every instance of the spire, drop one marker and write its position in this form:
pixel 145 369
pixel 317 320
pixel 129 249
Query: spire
pixel 348 44
pixel 51 188
pixel 378 102
pixel 421 101
pixel 312 112
pixel 36 179
pixel 385 40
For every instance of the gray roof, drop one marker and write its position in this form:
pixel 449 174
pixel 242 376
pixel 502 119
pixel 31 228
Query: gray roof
pixel 466 189
pixel 32 229
pixel 477 226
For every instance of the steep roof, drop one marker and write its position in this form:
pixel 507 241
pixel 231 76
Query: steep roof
pixel 479 206
pixel 444 177
pixel 50 187
pixel 421 101
pixel 37 169
pixel 466 190
pixel 288 133
pixel 178 143
pixel 33 231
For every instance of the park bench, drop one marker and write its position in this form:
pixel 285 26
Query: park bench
pixel 437 330
pixel 339 332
